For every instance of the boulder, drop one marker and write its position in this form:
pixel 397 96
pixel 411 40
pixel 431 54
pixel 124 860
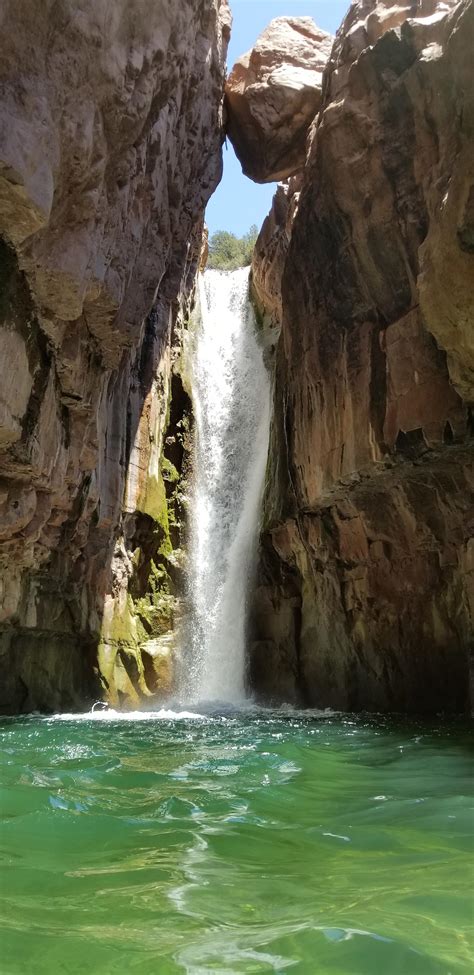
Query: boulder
pixel 272 95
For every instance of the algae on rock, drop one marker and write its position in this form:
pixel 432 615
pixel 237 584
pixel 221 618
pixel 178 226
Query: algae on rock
pixel 138 641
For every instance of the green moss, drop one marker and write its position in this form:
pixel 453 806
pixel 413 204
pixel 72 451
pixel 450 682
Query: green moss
pixel 166 548
pixel 136 557
pixel 156 609
pixel 152 614
pixel 122 627
pixel 158 579
pixel 168 471
pixel 129 627
pixel 154 503
pixel 157 613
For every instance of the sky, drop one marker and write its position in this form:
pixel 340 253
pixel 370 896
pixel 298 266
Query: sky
pixel 238 202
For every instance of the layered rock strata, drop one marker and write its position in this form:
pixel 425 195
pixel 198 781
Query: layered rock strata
pixel 366 582
pixel 110 146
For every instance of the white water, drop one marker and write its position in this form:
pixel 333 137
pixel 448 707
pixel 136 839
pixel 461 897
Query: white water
pixel 231 398
pixel 109 714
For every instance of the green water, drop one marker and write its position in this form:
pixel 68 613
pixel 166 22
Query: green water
pixel 263 842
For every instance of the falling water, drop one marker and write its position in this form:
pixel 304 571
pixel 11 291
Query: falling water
pixel 232 409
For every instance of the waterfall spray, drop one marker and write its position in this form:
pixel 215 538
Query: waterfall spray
pixel 231 398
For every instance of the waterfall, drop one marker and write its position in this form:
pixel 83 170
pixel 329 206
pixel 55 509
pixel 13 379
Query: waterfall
pixel 231 397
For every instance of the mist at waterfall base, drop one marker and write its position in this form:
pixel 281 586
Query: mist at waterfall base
pixel 231 402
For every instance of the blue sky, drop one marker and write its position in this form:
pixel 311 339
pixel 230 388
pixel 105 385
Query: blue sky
pixel 238 202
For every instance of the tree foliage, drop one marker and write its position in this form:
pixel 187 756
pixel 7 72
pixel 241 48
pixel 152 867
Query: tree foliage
pixel 228 252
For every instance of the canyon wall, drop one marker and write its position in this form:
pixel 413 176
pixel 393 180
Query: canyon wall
pixel 110 146
pixel 365 591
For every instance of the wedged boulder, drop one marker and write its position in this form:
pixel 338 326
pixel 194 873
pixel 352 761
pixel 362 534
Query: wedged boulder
pixel 272 95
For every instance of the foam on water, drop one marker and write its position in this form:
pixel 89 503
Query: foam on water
pixel 109 714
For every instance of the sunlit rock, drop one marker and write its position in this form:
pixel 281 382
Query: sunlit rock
pixel 366 592
pixel 272 95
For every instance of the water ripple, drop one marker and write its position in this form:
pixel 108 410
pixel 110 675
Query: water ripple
pixel 265 842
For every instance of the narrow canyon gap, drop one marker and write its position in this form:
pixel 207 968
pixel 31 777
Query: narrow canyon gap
pixel 362 286
pixel 236 510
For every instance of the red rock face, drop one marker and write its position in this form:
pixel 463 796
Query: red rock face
pixel 271 251
pixel 273 94
pixel 367 589
pixel 110 146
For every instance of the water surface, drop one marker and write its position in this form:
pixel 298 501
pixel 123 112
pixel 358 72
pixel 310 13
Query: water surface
pixel 252 842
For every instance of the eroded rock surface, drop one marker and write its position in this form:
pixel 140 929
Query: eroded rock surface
pixel 270 253
pixel 366 591
pixel 110 146
pixel 273 93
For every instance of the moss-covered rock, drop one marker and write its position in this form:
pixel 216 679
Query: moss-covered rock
pixel 137 639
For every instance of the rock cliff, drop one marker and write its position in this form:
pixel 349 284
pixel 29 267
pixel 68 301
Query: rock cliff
pixel 110 146
pixel 365 595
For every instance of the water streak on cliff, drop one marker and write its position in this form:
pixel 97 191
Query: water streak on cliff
pixel 231 404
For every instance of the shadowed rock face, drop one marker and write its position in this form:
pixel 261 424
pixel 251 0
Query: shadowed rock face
pixel 272 96
pixel 110 146
pixel 366 585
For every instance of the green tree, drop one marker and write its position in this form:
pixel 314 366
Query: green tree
pixel 228 252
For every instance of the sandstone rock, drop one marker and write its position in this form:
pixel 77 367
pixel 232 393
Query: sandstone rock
pixel 372 609
pixel 366 22
pixel 270 253
pixel 110 146
pixel 373 376
pixel 272 96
